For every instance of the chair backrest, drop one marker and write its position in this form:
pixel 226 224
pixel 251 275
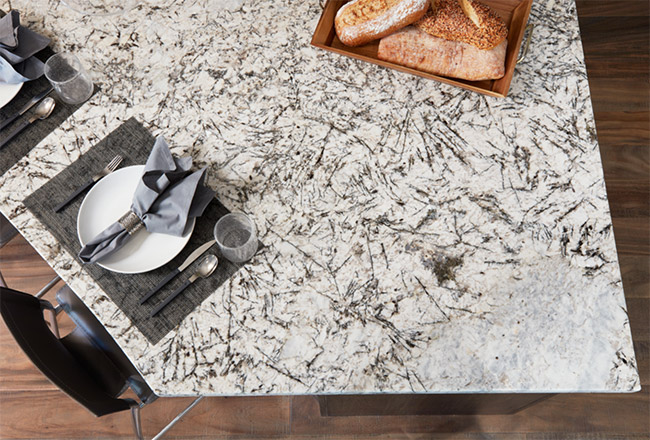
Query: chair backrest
pixel 23 315
pixel 103 342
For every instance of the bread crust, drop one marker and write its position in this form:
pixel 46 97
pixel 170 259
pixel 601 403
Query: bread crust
pixel 447 20
pixel 360 21
pixel 414 48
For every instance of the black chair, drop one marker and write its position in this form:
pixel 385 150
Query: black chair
pixel 92 375
pixel 87 364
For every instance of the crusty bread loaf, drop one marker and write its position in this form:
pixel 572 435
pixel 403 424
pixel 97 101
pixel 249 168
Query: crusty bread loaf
pixel 447 20
pixel 361 21
pixel 414 48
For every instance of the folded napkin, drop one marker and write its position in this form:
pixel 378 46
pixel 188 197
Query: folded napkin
pixel 166 199
pixel 17 47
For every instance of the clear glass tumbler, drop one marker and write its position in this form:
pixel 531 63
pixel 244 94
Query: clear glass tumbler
pixel 236 237
pixel 69 78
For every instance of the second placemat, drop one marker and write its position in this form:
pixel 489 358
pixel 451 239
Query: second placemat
pixel 23 143
pixel 134 142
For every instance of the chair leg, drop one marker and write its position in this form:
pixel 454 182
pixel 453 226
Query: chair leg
pixel 137 426
pixel 48 286
pixel 178 418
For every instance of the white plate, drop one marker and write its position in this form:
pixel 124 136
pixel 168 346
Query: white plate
pixel 109 200
pixel 7 92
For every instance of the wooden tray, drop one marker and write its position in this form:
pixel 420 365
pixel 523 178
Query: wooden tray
pixel 513 12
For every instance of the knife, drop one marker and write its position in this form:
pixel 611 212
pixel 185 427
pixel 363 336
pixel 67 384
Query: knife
pixel 189 260
pixel 32 102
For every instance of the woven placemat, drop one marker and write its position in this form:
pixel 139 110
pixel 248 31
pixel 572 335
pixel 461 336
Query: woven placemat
pixel 23 143
pixel 134 143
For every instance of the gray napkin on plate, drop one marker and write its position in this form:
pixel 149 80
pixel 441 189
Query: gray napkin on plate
pixel 17 47
pixel 166 199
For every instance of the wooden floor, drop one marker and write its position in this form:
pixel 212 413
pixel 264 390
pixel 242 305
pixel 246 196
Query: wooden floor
pixel 616 43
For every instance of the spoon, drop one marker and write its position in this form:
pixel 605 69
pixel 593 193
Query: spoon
pixel 206 266
pixel 43 110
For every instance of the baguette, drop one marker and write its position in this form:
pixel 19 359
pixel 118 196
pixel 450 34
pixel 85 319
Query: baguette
pixel 361 21
pixel 417 49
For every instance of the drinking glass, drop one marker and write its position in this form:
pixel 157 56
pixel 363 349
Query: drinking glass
pixel 236 237
pixel 69 78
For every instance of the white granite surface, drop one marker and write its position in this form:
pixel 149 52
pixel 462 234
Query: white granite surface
pixel 419 238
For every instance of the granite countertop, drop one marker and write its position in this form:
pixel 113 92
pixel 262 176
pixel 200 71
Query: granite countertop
pixel 419 237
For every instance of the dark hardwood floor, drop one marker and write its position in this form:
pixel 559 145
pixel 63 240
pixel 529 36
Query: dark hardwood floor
pixel 616 39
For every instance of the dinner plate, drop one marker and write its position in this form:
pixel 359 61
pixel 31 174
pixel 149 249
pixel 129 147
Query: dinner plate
pixel 104 204
pixel 7 92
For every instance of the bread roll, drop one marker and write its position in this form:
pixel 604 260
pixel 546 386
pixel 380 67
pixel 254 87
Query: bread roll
pixel 361 21
pixel 414 48
pixel 447 20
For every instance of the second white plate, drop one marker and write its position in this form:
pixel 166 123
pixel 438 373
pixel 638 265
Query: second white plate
pixel 104 204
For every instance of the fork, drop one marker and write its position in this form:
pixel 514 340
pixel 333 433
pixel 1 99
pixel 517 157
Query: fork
pixel 108 169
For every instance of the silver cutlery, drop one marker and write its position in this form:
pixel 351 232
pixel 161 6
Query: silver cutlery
pixel 32 102
pixel 108 169
pixel 43 110
pixel 205 269
pixel 189 260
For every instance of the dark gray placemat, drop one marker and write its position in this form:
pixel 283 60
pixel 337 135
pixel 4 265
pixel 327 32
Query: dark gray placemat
pixel 22 144
pixel 134 143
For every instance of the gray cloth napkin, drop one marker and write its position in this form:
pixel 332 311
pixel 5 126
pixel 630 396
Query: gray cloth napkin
pixel 17 47
pixel 166 199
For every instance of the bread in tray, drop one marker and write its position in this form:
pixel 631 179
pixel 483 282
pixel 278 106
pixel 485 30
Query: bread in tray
pixel 456 38
pixel 361 21
pixel 415 48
